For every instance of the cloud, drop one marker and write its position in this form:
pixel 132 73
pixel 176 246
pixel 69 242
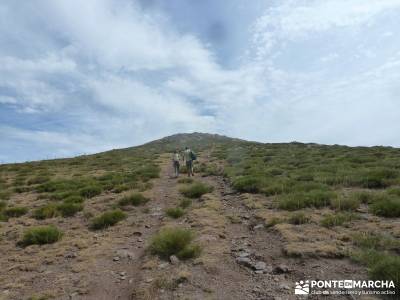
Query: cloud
pixel 88 76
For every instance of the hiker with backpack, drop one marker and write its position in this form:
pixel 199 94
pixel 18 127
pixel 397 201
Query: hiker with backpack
pixel 175 162
pixel 189 157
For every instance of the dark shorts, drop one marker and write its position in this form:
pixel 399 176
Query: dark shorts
pixel 189 164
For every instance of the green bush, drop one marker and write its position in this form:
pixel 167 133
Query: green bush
pixel 387 268
pixel 134 199
pixel 364 196
pixel 332 220
pixel 248 184
pixel 69 209
pixel 3 205
pixel 174 241
pixel 15 212
pixel 107 219
pixel 45 212
pixel 196 190
pixel 299 218
pixel 90 191
pixel 5 195
pixel 395 191
pixel 74 199
pixel 301 200
pixel 388 207
pixel 371 240
pixel 185 203
pixel 41 235
pixel 345 203
pixel 175 213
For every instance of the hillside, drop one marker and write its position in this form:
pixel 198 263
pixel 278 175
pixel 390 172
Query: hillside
pixel 255 219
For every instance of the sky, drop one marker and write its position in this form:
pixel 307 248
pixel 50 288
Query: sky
pixel 80 77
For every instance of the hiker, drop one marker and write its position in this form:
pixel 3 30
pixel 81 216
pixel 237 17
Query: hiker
pixel 175 162
pixel 189 157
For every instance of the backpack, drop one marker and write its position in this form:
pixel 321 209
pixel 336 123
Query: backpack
pixel 192 155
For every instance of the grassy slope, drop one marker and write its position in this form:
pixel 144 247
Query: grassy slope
pixel 294 176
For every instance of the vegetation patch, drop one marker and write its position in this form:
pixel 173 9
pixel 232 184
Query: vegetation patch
pixel 134 199
pixel 46 212
pixel 388 207
pixel 345 203
pixel 69 209
pixel 313 198
pixel 338 219
pixel 15 212
pixel 196 190
pixel 299 218
pixel 107 219
pixel 174 241
pixel 90 191
pixel 41 235
pixel 185 203
pixel 175 212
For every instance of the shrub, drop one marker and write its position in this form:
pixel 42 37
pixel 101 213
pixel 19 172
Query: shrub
pixel 387 268
pixel 69 209
pixel 120 188
pixel 364 197
pixel 395 191
pixel 74 199
pixel 135 199
pixel 15 212
pixel 41 235
pixel 345 203
pixel 175 212
pixel 301 200
pixel 3 205
pixel 299 218
pixel 90 191
pixel 388 207
pixel 38 179
pixel 248 184
pixel 185 203
pixel 45 212
pixel 371 240
pixel 185 180
pixel 332 220
pixel 107 219
pixel 196 190
pixel 174 241
pixel 5 195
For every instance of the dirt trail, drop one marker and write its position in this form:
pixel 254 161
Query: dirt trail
pixel 241 258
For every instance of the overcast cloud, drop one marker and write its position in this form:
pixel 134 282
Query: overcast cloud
pixel 86 76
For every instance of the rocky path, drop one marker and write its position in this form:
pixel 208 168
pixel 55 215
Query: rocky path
pixel 241 258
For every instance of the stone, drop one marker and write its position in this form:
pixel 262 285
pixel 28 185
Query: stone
pixel 260 265
pixel 115 258
pixel 163 266
pixel 244 254
pixel 284 286
pixel 173 259
pixel 259 226
pixel 125 254
pixel 245 261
